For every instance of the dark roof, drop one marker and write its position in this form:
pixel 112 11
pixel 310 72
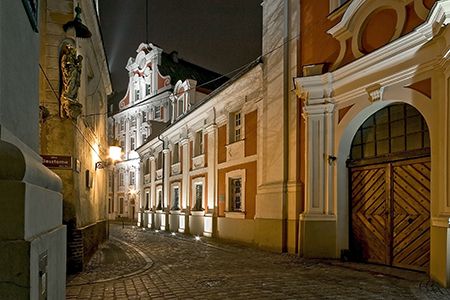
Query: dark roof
pixel 157 128
pixel 179 69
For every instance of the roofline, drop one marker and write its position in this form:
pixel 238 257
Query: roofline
pixel 217 91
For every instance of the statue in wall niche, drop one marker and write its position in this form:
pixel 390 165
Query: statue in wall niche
pixel 70 68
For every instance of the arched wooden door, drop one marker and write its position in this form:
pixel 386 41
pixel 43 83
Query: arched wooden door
pixel 390 189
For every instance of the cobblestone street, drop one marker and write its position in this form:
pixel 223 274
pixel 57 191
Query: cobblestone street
pixel 137 264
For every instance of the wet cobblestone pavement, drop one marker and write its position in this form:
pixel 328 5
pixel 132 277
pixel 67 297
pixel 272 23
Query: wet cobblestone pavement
pixel 137 264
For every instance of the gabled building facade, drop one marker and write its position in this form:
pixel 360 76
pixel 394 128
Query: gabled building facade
pixel 158 94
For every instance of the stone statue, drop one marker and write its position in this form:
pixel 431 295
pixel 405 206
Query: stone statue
pixel 70 65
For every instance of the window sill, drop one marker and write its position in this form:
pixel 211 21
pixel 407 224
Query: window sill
pixel 197 212
pixel 235 214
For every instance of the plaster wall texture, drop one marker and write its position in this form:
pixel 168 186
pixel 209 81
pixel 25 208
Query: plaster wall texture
pixel 18 105
pixel 30 192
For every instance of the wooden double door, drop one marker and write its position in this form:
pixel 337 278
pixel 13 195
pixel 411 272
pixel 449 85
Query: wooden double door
pixel 390 213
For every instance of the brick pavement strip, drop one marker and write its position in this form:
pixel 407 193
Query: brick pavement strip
pixel 154 265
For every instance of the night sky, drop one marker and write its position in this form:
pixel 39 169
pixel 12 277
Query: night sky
pixel 220 35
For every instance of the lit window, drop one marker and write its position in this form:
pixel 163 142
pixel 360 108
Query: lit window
pixel 121 179
pixel 122 124
pixel 132 178
pixel 157 112
pixel 137 95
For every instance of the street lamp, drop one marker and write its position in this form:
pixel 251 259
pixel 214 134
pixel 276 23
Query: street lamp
pixel 115 154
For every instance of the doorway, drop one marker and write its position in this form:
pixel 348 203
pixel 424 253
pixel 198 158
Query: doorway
pixel 390 189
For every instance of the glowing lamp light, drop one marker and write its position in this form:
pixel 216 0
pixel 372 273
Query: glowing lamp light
pixel 197 238
pixel 115 153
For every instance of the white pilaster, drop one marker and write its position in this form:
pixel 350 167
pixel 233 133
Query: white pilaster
pixel 212 140
pixel 153 185
pixel 166 166
pixel 185 173
pixel 318 170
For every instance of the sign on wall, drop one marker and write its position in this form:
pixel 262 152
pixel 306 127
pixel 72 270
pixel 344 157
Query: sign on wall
pixel 57 161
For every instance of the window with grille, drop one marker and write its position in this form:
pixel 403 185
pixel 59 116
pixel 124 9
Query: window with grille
pixel 198 197
pixel 235 194
pixel 394 129
pixel 176 198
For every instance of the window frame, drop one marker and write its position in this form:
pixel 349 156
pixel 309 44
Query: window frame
pixel 175 186
pixel 196 182
pixel 233 127
pixel 199 143
pixel 235 174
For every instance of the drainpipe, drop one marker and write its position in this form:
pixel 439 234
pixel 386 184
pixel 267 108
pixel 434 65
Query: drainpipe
pixel 285 124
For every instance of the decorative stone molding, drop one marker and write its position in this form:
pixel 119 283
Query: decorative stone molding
pixel 176 168
pixel 352 23
pixel 159 174
pixel 236 150
pixel 198 161
pixel 375 92
pixel 314 89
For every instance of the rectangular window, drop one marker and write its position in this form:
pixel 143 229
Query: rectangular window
pixel 175 154
pixel 132 178
pixel 122 124
pixel 147 200
pixel 148 89
pixel 110 208
pixel 198 197
pixel 147 166
pixel 176 199
pixel 144 116
pixel 160 204
pixel 120 205
pixel 159 161
pixel 158 112
pixel 121 179
pixel 198 143
pixel 132 143
pixel 236 194
pixel 133 121
pixel 144 138
pixel 235 124
pixel 137 95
